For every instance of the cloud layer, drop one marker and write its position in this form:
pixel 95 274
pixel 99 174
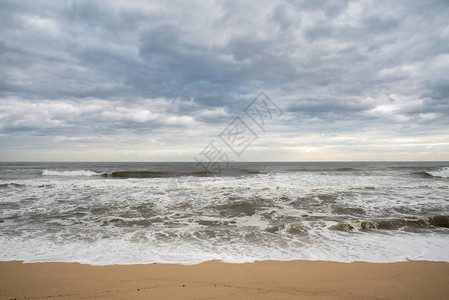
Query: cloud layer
pixel 152 80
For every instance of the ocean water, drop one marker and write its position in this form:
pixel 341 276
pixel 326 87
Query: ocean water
pixel 131 213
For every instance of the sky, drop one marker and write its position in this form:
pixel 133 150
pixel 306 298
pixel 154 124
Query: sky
pixel 170 80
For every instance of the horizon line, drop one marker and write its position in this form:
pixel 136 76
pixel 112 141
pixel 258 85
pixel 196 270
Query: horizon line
pixel 260 161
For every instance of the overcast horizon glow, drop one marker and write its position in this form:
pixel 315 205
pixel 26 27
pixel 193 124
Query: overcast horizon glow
pixel 158 81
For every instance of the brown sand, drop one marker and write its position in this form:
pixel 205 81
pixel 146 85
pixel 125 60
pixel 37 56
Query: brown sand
pixel 215 280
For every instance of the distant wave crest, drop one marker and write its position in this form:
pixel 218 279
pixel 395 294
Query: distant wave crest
pixel 70 173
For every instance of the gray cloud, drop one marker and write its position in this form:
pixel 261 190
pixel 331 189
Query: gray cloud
pixel 341 65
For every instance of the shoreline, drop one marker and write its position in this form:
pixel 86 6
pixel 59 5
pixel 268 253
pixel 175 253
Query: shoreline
pixel 219 280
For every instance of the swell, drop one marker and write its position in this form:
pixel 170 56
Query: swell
pixel 422 174
pixel 158 174
pixel 393 224
pixel 318 170
pixel 138 174
pixel 8 185
pixel 126 174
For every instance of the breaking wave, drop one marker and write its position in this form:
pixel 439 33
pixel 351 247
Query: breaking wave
pixel 443 173
pixel 149 174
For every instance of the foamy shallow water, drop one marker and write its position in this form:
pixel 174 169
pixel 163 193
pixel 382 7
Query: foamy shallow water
pixel 144 213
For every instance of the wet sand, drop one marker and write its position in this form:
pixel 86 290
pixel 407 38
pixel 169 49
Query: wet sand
pixel 216 280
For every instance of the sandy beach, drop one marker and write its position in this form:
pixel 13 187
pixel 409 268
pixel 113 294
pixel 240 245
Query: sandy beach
pixel 216 280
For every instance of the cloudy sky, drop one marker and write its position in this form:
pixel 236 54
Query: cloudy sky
pixel 160 80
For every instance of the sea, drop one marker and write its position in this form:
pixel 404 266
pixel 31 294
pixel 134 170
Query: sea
pixel 141 213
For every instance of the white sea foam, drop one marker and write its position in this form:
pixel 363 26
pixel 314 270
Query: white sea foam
pixel 125 250
pixel 443 172
pixel 70 173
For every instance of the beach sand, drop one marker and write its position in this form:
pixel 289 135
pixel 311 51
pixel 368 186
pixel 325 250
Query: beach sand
pixel 216 280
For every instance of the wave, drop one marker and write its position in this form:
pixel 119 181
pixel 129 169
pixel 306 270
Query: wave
pixel 422 174
pixel 126 221
pixel 393 224
pixel 6 185
pixel 442 173
pixel 347 170
pixel 120 174
pixel 126 174
pixel 154 174
pixel 326 170
pixel 246 171
pixel 71 173
pixel 137 174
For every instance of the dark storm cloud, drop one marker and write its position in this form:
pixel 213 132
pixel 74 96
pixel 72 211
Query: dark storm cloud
pixel 367 62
